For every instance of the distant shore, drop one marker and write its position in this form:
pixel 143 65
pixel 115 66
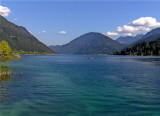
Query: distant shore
pixel 37 54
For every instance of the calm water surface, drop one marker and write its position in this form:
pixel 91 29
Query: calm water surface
pixel 73 85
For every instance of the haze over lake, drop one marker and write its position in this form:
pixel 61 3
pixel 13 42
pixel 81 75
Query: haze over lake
pixel 74 85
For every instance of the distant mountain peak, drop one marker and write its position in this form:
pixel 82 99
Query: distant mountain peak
pixel 93 33
pixel 139 35
pixel 129 39
pixel 150 36
pixel 89 43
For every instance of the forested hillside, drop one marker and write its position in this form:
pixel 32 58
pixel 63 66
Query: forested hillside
pixel 20 39
pixel 151 48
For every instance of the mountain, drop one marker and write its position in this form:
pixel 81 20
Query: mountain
pixel 129 39
pixel 143 49
pixel 150 36
pixel 90 43
pixel 20 39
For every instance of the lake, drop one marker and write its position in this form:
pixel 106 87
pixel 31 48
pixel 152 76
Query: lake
pixel 73 85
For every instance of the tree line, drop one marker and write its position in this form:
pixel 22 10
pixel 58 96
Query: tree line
pixel 151 48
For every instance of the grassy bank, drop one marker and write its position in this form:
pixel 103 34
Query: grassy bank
pixel 34 53
pixel 11 57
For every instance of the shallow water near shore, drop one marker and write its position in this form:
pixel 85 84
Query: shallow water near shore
pixel 73 85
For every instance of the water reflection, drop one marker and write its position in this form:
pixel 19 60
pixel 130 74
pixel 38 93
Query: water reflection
pixel 5 73
pixel 149 60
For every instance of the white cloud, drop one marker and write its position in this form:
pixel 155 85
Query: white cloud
pixel 126 29
pixel 146 22
pixel 4 11
pixel 62 32
pixel 141 25
pixel 132 29
pixel 112 33
pixel 141 28
pixel 44 31
pixel 128 34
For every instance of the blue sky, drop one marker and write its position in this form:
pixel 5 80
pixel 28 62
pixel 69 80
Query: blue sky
pixel 58 22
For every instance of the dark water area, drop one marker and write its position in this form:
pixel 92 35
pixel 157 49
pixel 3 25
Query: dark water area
pixel 73 85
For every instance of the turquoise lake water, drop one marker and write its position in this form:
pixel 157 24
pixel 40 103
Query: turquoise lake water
pixel 73 85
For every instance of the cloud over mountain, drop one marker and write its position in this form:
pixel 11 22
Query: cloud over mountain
pixel 4 11
pixel 146 22
pixel 140 25
pixel 112 33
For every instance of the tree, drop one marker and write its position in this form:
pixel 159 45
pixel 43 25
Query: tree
pixel 5 48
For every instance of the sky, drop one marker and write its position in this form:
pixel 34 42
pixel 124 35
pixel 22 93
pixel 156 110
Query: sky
pixel 56 22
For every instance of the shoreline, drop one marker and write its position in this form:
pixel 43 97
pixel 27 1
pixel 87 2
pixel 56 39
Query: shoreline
pixel 39 54
pixel 11 57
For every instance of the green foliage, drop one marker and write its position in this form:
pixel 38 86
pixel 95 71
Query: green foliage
pixel 33 53
pixel 6 52
pixel 5 48
pixel 151 48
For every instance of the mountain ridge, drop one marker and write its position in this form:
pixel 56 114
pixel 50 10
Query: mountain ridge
pixel 129 39
pixel 150 36
pixel 89 43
